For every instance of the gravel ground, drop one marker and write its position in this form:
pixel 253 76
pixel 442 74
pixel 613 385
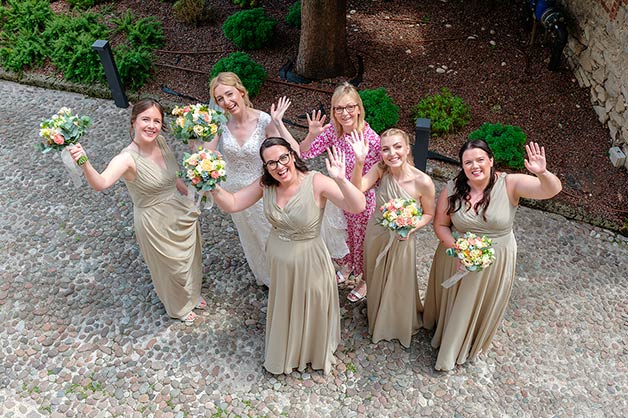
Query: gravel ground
pixel 84 334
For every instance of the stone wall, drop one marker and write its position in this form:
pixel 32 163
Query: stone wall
pixel 597 51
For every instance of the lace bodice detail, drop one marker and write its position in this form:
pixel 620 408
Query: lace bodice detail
pixel 243 162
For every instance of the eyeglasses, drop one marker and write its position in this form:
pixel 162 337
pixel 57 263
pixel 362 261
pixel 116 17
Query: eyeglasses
pixel 284 159
pixel 349 108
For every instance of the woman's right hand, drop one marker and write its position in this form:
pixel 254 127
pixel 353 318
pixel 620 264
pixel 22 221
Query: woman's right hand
pixel 360 146
pixel 316 122
pixel 77 151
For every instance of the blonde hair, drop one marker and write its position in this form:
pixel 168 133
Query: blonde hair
pixel 230 79
pixel 346 89
pixel 406 138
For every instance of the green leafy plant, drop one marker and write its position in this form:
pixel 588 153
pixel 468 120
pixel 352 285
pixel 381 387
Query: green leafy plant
pixel 380 111
pixel 506 141
pixel 192 11
pixel 71 52
pixel 250 72
pixel 146 33
pixel 134 65
pixel 245 4
pixel 448 113
pixel 249 29
pixel 21 23
pixel 84 4
pixel 293 18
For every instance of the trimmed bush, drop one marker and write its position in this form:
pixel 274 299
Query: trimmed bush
pixel 71 39
pixel 380 111
pixel 506 141
pixel 249 29
pixel 448 113
pixel 293 18
pixel 134 65
pixel 192 11
pixel 250 72
pixel 84 4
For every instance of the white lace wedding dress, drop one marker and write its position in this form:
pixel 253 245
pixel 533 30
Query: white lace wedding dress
pixel 243 167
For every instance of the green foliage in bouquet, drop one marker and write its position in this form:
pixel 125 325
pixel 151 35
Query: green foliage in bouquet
pixel 192 11
pixel 62 129
pixel 71 52
pixel 250 72
pixel 245 4
pixel 506 141
pixel 249 29
pixel 294 15
pixel 21 22
pixel 448 113
pixel 380 111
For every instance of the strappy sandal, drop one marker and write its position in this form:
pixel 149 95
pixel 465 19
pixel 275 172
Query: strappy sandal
pixel 355 296
pixel 202 304
pixel 189 318
pixel 340 278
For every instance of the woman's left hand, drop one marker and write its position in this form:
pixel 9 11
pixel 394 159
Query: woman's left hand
pixel 335 163
pixel 535 163
pixel 277 111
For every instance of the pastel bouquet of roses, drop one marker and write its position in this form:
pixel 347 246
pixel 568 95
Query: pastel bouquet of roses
pixel 60 131
pixel 196 122
pixel 202 171
pixel 475 254
pixel 400 215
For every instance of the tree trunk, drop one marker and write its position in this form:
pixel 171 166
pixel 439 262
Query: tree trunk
pixel 323 43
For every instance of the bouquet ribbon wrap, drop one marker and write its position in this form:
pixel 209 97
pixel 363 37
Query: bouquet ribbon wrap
pixel 74 171
pixel 197 198
pixel 454 279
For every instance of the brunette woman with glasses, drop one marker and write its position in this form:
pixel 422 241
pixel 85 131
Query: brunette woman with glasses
pixel 347 117
pixel 303 315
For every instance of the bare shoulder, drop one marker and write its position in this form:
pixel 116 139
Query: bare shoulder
pixel 421 179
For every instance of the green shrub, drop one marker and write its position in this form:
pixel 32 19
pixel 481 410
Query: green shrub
pixel 294 14
pixel 22 50
pixel 146 33
pixel 506 141
pixel 380 111
pixel 250 72
pixel 84 4
pixel 31 15
pixel 134 65
pixel 192 11
pixel 70 39
pixel 249 29
pixel 447 112
pixel 245 4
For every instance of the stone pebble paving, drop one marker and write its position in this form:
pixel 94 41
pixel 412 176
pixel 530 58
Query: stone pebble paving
pixel 84 335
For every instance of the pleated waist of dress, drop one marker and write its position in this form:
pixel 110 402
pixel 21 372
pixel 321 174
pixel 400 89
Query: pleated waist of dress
pixel 503 236
pixel 294 236
pixel 146 202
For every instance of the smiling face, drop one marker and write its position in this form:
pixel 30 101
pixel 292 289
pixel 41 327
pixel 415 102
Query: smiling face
pixel 395 150
pixel 279 162
pixel 229 98
pixel 147 125
pixel 340 108
pixel 477 164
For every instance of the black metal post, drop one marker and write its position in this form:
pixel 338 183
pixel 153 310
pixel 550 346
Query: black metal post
pixel 111 72
pixel 421 143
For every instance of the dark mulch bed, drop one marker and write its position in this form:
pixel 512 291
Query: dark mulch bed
pixel 402 43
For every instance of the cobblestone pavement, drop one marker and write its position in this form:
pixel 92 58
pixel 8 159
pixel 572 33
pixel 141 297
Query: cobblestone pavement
pixel 84 335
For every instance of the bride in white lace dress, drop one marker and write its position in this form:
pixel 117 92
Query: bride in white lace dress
pixel 244 132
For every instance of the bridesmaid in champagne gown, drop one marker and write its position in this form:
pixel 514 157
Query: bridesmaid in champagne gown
pixel 166 223
pixel 303 316
pixel 242 135
pixel 480 201
pixel 394 304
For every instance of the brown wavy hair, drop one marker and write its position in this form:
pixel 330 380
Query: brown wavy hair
pixel 461 185
pixel 142 106
pixel 267 179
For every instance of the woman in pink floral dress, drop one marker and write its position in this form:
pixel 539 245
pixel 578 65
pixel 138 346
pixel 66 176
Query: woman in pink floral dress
pixel 347 116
